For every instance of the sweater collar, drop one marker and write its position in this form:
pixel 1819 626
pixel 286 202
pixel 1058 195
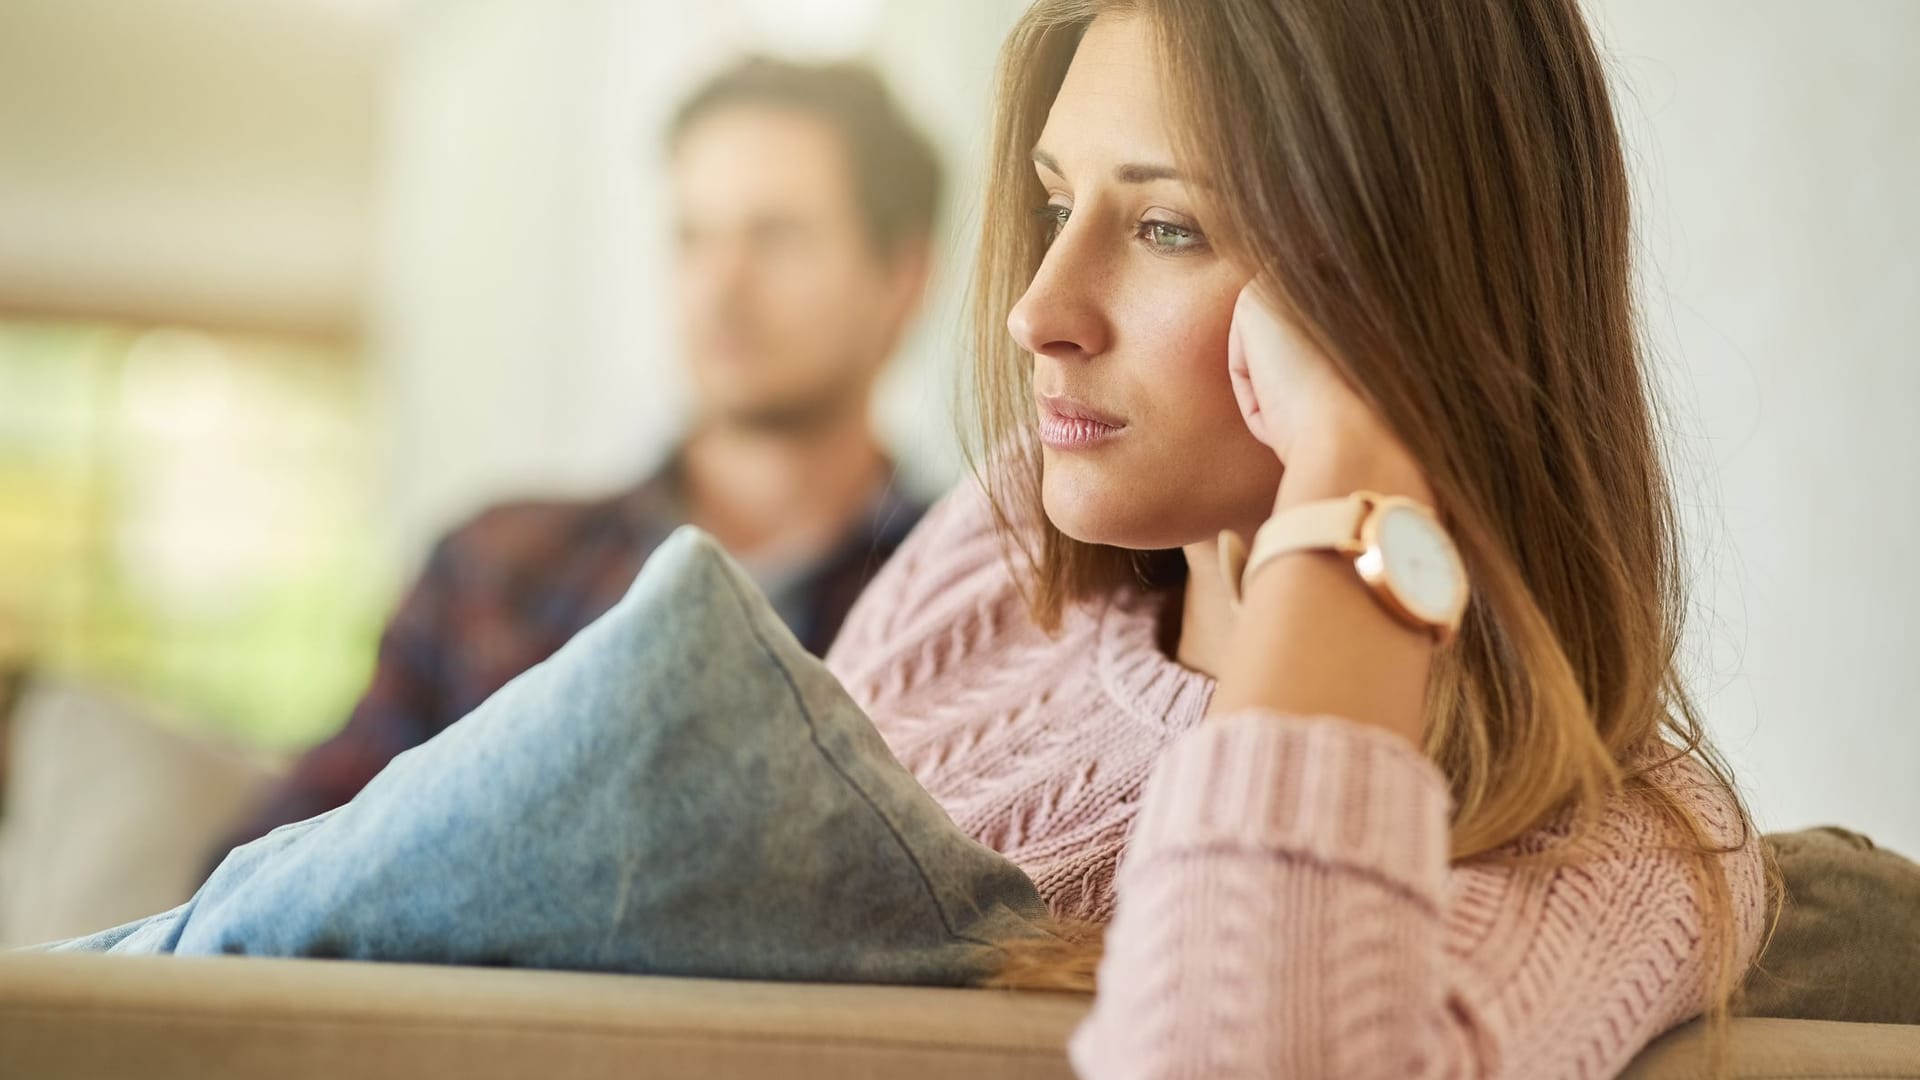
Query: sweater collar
pixel 1139 678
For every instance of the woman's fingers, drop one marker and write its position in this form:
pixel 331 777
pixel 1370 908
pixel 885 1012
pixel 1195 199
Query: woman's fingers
pixel 1243 389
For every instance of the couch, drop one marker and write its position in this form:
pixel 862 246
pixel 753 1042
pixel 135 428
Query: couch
pixel 207 1018
pixel 146 789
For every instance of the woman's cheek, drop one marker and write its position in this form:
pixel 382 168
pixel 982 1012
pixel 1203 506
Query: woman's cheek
pixel 1196 352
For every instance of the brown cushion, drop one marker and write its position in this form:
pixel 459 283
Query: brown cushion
pixel 1847 946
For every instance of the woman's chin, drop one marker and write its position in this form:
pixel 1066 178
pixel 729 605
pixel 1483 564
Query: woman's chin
pixel 1083 513
pixel 1110 514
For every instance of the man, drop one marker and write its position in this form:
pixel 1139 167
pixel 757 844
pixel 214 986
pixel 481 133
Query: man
pixel 806 206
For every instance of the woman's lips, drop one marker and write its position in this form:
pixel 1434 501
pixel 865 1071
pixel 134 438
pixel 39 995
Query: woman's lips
pixel 1066 424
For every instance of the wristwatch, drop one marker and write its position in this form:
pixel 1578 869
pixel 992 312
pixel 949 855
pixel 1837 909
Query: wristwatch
pixel 1398 547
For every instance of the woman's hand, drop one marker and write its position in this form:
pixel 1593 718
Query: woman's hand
pixel 1308 639
pixel 1296 402
pixel 1285 384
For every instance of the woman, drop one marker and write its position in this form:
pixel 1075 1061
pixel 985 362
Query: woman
pixel 1245 257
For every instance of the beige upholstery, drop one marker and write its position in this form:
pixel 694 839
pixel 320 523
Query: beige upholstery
pixel 1789 1050
pixel 108 813
pixel 80 1017
pixel 204 1018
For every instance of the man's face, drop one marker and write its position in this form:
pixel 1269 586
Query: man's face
pixel 787 310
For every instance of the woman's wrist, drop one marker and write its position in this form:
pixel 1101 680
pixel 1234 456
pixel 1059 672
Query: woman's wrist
pixel 1346 456
pixel 1308 638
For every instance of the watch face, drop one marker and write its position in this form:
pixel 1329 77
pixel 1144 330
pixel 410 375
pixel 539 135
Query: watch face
pixel 1420 562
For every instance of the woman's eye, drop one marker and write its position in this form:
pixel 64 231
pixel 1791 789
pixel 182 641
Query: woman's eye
pixel 1053 217
pixel 1168 237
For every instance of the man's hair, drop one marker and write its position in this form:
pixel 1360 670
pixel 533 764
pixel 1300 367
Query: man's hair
pixel 896 172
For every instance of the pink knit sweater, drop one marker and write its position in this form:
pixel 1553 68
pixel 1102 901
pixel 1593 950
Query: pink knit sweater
pixel 1279 887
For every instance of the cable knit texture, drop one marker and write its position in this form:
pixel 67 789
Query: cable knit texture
pixel 1279 890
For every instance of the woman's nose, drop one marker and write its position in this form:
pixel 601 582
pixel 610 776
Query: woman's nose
pixel 1060 315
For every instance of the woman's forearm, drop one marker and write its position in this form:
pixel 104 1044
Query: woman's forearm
pixel 1310 638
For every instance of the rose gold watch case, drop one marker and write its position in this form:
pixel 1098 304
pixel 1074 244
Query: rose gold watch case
pixel 1370 561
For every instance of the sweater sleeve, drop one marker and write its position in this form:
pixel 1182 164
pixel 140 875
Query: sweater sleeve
pixel 1286 908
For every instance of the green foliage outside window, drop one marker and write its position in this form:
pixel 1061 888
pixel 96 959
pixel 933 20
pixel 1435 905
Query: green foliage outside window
pixel 188 517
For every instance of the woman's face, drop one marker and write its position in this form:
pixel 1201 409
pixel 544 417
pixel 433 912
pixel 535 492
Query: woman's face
pixel 1127 321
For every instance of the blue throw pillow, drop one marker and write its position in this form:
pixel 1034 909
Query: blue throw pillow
pixel 680 790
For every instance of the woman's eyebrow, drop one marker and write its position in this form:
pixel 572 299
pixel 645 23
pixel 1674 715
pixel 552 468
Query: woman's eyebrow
pixel 1133 173
pixel 1130 173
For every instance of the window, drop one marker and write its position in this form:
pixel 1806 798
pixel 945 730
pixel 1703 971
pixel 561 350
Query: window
pixel 187 516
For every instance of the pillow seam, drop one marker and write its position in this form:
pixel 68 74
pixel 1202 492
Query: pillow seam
pixel 813 733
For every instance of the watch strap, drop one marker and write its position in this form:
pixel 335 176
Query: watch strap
pixel 1323 524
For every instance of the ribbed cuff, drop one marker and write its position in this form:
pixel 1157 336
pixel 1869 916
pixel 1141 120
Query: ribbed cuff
pixel 1312 787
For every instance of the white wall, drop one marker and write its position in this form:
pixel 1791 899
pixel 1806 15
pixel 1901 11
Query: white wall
pixel 523 323
pixel 200 161
pixel 1778 154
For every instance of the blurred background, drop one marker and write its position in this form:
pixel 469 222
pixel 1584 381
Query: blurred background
pixel 288 287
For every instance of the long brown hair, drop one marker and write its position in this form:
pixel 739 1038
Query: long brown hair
pixel 1436 193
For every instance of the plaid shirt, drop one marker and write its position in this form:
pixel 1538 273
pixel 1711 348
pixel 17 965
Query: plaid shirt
pixel 505 590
